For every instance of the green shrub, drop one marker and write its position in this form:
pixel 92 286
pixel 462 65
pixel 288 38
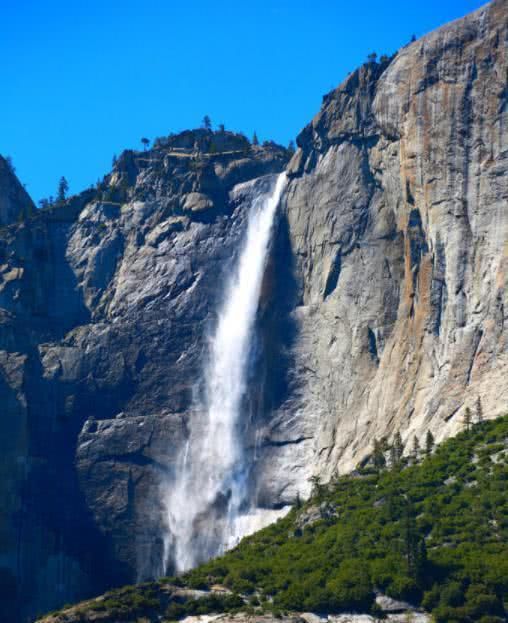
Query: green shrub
pixel 452 595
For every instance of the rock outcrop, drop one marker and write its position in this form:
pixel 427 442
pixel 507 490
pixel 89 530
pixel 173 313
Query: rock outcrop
pixel 383 307
pixel 15 203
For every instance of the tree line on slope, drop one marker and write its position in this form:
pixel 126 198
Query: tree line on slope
pixel 433 533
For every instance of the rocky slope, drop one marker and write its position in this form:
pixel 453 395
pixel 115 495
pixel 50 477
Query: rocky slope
pixel 420 538
pixel 383 308
pixel 307 617
pixel 105 301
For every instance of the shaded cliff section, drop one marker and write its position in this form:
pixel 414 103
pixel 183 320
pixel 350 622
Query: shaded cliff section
pixel 15 202
pixel 105 300
pixel 397 219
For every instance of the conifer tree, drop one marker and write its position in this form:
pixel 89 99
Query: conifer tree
pixel 467 419
pixel 397 450
pixel 429 443
pixel 416 448
pixel 415 548
pixel 410 537
pixel 255 140
pixel 63 187
pixel 378 456
pixel 479 409
pixel 393 456
pixel 420 561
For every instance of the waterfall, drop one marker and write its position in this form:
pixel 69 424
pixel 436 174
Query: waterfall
pixel 207 502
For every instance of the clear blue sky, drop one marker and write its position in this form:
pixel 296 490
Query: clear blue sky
pixel 84 79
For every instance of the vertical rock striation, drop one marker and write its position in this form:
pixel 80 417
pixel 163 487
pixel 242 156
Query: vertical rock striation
pixel 397 214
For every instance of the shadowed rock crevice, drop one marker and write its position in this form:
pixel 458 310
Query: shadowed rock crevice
pixel 277 326
pixel 333 275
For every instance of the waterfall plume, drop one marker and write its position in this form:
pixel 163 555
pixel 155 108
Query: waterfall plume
pixel 207 503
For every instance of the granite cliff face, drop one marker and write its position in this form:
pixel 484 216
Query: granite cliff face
pixel 397 219
pixel 383 307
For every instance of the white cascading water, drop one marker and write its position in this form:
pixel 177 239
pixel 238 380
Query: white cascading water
pixel 206 503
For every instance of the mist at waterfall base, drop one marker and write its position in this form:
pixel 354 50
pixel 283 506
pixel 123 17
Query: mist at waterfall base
pixel 207 503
